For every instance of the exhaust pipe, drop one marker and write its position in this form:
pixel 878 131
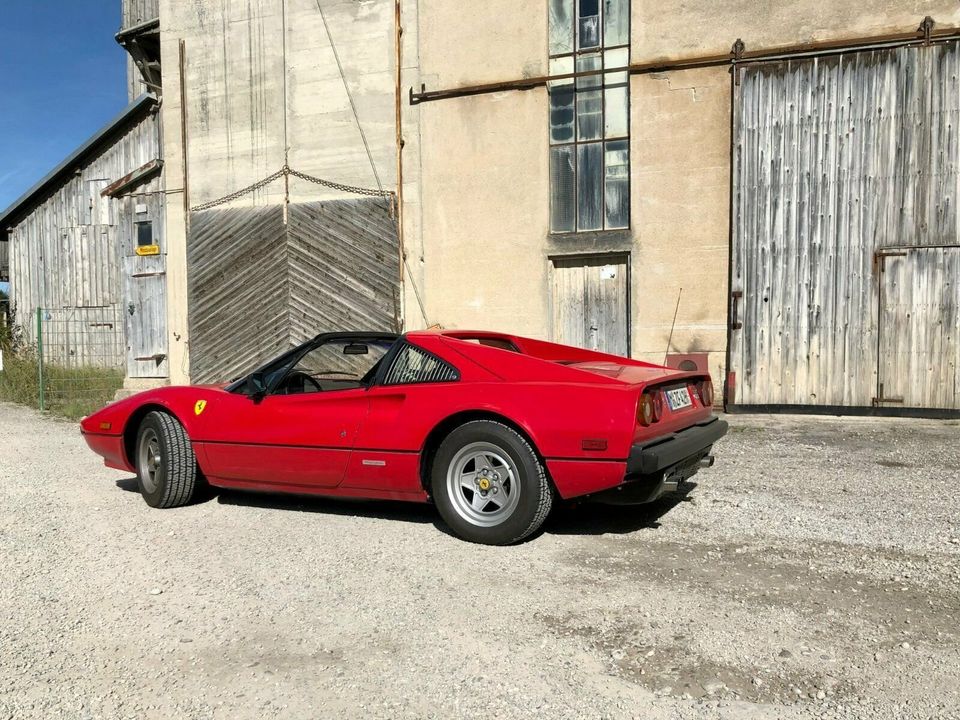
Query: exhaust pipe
pixel 707 461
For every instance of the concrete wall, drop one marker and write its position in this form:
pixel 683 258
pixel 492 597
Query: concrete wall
pixel 679 28
pixel 480 238
pixel 262 84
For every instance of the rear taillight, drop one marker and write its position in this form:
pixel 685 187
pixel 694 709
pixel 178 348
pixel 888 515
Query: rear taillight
pixel 657 406
pixel 705 389
pixel 650 409
pixel 645 410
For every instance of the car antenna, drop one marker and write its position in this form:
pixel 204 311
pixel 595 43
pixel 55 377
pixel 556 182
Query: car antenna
pixel 672 326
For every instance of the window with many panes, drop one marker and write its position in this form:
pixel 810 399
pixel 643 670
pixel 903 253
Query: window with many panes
pixel 589 115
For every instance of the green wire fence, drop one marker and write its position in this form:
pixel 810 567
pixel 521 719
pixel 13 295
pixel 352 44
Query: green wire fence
pixel 64 361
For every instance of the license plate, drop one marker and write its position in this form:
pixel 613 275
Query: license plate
pixel 678 398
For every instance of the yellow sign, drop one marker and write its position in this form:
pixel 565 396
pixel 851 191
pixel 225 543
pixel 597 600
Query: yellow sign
pixel 199 407
pixel 148 250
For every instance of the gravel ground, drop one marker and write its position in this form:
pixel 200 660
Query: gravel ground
pixel 813 572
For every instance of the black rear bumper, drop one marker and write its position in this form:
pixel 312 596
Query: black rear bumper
pixel 663 452
pixel 660 465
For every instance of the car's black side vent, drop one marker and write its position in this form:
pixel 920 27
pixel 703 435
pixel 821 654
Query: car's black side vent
pixel 413 365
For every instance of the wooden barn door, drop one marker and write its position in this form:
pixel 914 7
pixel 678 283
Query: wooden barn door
pixel 144 288
pixel 842 166
pixel 919 328
pixel 591 303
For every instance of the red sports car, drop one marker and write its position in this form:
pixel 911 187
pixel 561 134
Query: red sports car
pixel 490 427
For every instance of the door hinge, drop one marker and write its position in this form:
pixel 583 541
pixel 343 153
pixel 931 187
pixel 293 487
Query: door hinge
pixel 878 401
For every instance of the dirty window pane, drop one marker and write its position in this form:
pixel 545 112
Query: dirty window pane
pixel 590 186
pixel 561 26
pixel 562 190
pixel 619 58
pixel 561 101
pixel 561 66
pixel 617 186
pixel 561 114
pixel 616 112
pixel 144 233
pixel 616 22
pixel 588 25
pixel 589 99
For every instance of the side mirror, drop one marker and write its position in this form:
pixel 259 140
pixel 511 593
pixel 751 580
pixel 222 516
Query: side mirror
pixel 258 385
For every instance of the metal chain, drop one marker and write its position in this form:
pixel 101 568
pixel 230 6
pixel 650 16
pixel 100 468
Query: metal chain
pixel 339 186
pixel 287 170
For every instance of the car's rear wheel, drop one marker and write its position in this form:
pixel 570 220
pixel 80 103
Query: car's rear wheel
pixel 166 466
pixel 489 485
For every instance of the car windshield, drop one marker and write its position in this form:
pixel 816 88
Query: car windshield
pixel 334 364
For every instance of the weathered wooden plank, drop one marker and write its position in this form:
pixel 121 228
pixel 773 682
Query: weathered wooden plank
pixel 589 302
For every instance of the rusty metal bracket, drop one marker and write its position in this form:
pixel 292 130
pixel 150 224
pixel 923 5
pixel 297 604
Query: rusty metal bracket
pixel 737 54
pixel 880 400
pixel 926 29
pixel 879 257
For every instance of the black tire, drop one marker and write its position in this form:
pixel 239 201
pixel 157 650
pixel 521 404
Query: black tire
pixel 520 517
pixel 174 480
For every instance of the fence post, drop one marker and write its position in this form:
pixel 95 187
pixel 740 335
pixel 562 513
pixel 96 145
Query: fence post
pixel 40 357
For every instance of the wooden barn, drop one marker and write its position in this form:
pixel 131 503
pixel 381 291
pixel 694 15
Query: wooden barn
pixel 86 251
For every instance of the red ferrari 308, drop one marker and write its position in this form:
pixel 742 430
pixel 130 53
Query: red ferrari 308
pixel 490 427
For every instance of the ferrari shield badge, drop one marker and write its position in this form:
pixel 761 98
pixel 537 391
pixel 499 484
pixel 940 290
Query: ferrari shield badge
pixel 199 407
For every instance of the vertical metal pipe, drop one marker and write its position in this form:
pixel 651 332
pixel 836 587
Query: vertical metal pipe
pixel 183 137
pixel 728 398
pixel 398 107
pixel 40 358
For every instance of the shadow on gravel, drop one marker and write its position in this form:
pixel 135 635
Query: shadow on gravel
pixel 583 518
pixel 381 509
pixel 595 519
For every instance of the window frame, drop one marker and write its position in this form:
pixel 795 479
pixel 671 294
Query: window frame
pixel 390 357
pixel 600 50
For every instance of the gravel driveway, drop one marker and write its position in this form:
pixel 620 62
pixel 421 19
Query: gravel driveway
pixel 813 572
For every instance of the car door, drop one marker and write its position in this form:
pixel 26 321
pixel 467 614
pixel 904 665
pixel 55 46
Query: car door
pixel 412 395
pixel 295 441
pixel 298 432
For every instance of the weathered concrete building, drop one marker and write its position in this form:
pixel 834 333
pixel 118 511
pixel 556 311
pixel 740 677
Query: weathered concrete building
pixel 767 192
pixel 790 218
pixel 291 103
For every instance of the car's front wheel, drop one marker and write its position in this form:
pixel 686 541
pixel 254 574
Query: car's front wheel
pixel 166 466
pixel 489 485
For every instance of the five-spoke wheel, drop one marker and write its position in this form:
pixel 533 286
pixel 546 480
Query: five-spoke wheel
pixel 489 484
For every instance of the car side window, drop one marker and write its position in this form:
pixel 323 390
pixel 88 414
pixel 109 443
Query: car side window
pixel 411 365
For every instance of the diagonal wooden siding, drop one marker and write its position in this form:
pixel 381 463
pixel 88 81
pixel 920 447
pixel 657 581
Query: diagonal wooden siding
pixel 237 290
pixel 257 286
pixel 344 272
pixel 834 159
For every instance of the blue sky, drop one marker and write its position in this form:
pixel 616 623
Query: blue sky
pixel 62 77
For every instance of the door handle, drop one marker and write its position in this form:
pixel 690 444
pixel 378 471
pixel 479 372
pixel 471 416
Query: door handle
pixel 735 296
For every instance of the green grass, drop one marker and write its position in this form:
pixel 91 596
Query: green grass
pixel 68 392
pixel 18 380
pixel 75 392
